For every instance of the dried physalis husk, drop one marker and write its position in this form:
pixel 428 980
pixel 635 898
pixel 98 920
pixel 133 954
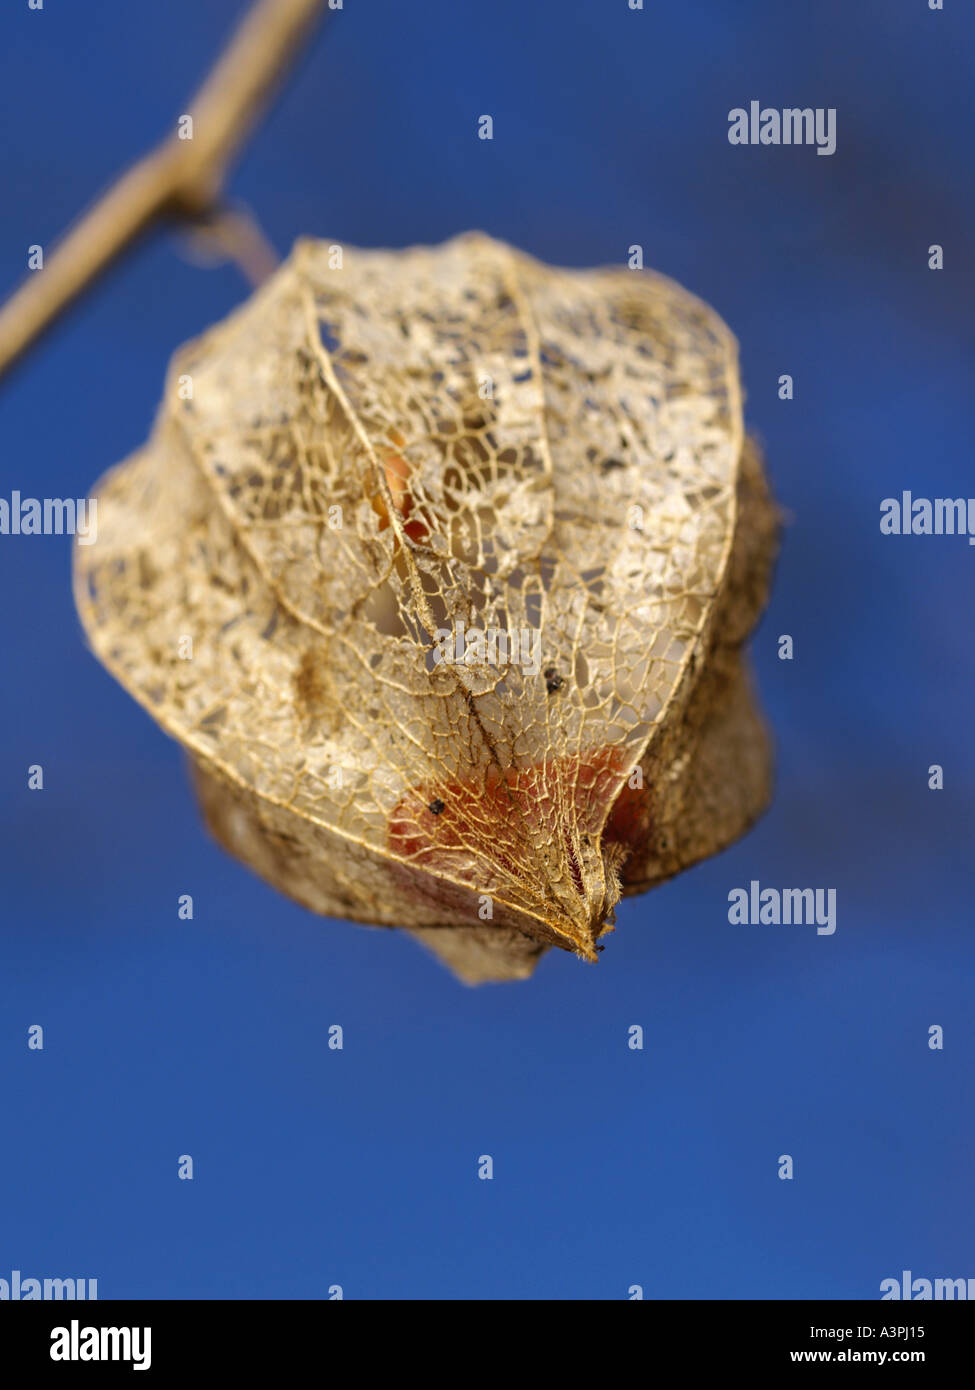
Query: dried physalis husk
pixel 439 563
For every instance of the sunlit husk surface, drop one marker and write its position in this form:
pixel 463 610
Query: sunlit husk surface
pixel 368 454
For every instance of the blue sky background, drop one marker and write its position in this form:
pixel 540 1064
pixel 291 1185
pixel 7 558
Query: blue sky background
pixel 612 1167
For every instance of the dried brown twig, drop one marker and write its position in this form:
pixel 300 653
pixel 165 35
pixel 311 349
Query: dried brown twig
pixel 180 180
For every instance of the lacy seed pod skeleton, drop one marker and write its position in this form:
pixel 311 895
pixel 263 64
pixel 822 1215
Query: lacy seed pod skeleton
pixel 466 548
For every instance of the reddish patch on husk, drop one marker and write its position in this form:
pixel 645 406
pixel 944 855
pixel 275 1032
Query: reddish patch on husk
pixel 445 818
pixel 628 821
pixel 397 472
